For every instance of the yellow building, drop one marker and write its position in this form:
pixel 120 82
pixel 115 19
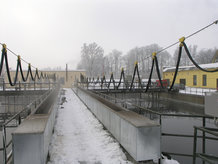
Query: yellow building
pixel 66 78
pixel 193 77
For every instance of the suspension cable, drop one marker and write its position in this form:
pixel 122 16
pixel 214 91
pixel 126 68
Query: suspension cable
pixel 155 61
pixel 173 44
pixel 17 55
pixel 215 22
pixel 4 58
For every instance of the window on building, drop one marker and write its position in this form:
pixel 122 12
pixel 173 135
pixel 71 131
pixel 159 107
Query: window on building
pixel 194 79
pixel 204 80
pixel 183 81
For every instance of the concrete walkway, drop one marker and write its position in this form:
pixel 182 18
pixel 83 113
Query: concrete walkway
pixel 79 138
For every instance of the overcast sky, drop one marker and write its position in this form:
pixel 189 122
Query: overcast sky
pixel 50 33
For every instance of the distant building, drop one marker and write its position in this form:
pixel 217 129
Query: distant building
pixel 66 78
pixel 193 77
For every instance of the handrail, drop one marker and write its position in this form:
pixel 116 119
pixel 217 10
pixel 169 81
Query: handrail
pixel 33 104
pixel 155 61
pixel 205 157
pixel 152 111
pixel 202 116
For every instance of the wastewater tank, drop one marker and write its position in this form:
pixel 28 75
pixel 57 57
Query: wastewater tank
pixel 211 104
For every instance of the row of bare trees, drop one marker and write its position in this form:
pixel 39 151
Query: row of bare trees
pixel 96 63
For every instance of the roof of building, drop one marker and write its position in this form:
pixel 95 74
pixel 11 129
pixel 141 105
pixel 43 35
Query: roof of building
pixel 193 67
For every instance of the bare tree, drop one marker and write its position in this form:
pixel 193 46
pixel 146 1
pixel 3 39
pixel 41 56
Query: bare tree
pixel 205 56
pixel 116 57
pixel 185 61
pixel 144 57
pixel 91 59
pixel 112 63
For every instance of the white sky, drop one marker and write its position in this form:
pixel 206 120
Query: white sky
pixel 50 33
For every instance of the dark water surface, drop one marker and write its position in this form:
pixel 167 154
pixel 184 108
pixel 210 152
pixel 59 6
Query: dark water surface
pixel 176 125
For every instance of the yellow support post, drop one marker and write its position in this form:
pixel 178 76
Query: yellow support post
pixel 4 47
pixel 154 54
pixel 181 40
pixel 18 57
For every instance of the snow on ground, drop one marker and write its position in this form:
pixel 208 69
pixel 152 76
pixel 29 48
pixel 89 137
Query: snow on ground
pixel 79 138
pixel 167 161
pixel 197 91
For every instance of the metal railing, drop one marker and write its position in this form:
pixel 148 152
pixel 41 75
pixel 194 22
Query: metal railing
pixel 136 86
pixel 205 157
pixel 16 120
pixel 123 85
pixel 126 104
pixel 197 91
pixel 27 86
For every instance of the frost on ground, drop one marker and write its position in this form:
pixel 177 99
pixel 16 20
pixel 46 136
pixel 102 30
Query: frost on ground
pixel 79 138
pixel 197 91
pixel 167 161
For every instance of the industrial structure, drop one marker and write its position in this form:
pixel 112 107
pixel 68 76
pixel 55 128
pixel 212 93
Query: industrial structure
pixel 68 77
pixel 65 77
pixel 193 77
pixel 148 121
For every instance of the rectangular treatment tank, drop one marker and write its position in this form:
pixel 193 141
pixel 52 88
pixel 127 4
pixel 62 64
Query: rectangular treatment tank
pixel 211 104
pixel 139 135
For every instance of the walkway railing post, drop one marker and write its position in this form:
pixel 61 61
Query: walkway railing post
pixel 34 85
pixel 3 85
pixel 4 145
pixel 160 121
pixel 19 119
pixel 19 86
pixel 194 145
pixel 203 138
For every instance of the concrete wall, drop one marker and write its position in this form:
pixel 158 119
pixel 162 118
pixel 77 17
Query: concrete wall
pixel 12 102
pixel 196 99
pixel 211 104
pixel 31 139
pixel 137 134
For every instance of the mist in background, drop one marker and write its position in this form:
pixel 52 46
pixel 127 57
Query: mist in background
pixel 51 33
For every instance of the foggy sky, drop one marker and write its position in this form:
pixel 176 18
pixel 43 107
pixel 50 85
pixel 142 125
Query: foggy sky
pixel 50 33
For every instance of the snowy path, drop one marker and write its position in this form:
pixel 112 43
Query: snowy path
pixel 79 138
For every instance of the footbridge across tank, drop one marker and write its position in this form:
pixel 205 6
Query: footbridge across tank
pixel 148 124
pixel 159 103
pixel 139 114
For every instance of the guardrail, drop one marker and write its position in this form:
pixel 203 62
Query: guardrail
pixel 31 139
pixel 27 86
pixel 139 135
pixel 16 121
pixel 205 157
pixel 151 113
pixel 197 91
